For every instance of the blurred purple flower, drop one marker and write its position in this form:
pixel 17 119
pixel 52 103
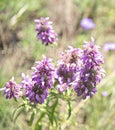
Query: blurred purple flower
pixel 104 93
pixel 45 31
pixel 91 71
pixel 11 89
pixel 109 46
pixel 87 23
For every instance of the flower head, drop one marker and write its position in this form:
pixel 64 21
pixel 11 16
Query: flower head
pixel 12 90
pixel 91 71
pixel 68 67
pixel 87 23
pixel 27 85
pixel 45 31
pixel 32 91
pixel 37 87
pixel 43 73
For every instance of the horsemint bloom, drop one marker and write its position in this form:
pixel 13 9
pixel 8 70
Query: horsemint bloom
pixel 68 68
pixel 12 89
pixel 109 46
pixel 91 71
pixel 37 87
pixel 87 23
pixel 45 31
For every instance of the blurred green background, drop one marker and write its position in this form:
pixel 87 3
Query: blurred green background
pixel 19 48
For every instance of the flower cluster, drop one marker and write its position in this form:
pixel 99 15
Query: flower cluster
pixel 68 68
pixel 45 31
pixel 77 69
pixel 91 71
pixel 37 87
pixel 43 78
pixel 11 89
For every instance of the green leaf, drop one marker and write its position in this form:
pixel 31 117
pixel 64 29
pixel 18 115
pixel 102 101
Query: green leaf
pixel 38 127
pixel 31 119
pixel 17 112
pixel 15 99
pixel 55 43
pixel 50 117
pixel 69 109
pixel 51 112
pixel 38 123
pixel 54 106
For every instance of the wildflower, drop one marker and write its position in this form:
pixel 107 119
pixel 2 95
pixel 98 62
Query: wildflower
pixel 37 87
pixel 44 73
pixel 26 84
pixel 62 87
pixel 109 46
pixel 32 91
pixel 91 71
pixel 11 89
pixel 68 67
pixel 87 23
pixel 45 31
pixel 104 93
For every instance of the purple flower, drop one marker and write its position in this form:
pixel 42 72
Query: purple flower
pixel 45 31
pixel 91 71
pixel 37 87
pixel 68 68
pixel 87 23
pixel 26 84
pixel 32 91
pixel 44 73
pixel 62 87
pixel 109 46
pixel 11 89
pixel 104 93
